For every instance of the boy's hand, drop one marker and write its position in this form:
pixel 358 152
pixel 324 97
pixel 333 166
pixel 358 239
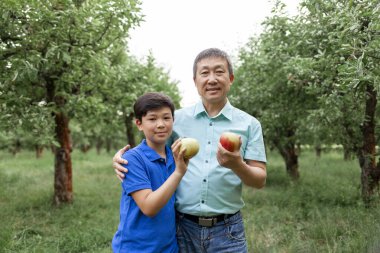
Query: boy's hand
pixel 117 161
pixel 180 161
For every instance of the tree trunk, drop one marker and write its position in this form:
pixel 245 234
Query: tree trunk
pixel 347 153
pixel 129 130
pixel 85 148
pixel 289 154
pixel 370 172
pixel 99 144
pixel 16 148
pixel 63 185
pixel 108 145
pixel 318 150
pixel 39 150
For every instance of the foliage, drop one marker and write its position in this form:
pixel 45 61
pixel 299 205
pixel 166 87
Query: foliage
pixel 55 56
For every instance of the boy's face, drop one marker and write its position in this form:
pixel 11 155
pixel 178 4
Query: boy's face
pixel 157 126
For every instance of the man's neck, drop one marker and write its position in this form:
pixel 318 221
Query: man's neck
pixel 214 109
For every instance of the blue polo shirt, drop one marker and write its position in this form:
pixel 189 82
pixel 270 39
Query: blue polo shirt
pixel 207 188
pixel 137 232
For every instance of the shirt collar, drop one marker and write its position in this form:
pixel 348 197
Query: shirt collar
pixel 152 155
pixel 226 111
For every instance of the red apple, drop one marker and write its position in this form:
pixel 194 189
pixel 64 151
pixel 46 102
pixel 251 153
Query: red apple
pixel 230 141
pixel 191 145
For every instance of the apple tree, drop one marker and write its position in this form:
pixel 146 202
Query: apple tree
pixel 346 71
pixel 56 54
pixel 264 86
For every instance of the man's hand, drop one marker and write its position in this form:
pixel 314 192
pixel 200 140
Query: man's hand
pixel 229 159
pixel 117 161
pixel 252 173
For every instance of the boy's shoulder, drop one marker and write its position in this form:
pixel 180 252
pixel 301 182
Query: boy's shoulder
pixel 135 153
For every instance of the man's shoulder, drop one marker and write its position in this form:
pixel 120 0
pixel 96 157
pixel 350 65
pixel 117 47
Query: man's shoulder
pixel 242 116
pixel 185 111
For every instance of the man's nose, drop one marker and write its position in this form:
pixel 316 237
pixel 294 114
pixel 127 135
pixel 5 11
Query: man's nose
pixel 212 78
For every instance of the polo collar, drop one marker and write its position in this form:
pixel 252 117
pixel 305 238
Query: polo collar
pixel 152 155
pixel 226 111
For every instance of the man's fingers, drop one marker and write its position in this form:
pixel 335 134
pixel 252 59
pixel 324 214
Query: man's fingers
pixel 119 174
pixel 119 160
pixel 123 150
pixel 119 167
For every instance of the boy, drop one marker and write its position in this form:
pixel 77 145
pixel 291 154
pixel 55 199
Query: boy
pixel 147 214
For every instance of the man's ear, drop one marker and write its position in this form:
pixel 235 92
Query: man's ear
pixel 138 124
pixel 232 77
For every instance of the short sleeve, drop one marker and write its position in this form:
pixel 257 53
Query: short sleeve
pixel 137 177
pixel 255 146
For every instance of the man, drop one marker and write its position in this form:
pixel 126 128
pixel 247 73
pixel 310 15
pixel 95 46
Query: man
pixel 209 197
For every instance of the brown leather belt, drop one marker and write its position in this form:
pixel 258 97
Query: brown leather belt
pixel 207 221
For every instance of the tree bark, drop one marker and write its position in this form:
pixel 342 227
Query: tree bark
pixel 288 152
pixel 99 144
pixel 129 130
pixel 63 185
pixel 370 172
pixel 39 150
pixel 318 150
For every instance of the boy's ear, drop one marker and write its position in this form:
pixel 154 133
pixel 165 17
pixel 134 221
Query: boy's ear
pixel 138 124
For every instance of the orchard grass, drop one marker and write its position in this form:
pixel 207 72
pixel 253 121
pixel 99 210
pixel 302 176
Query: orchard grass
pixel 323 212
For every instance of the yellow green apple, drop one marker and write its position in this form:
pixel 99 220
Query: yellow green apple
pixel 191 145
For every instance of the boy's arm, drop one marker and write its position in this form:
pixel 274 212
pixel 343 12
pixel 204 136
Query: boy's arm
pixel 118 161
pixel 150 202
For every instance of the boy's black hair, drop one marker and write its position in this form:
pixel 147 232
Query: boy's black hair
pixel 151 101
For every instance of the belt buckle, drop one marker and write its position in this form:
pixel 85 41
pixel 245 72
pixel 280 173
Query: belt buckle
pixel 207 222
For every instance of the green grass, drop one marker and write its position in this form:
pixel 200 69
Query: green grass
pixel 323 212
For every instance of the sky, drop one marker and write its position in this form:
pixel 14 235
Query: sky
pixel 175 31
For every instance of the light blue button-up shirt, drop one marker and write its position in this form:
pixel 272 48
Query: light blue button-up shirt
pixel 208 188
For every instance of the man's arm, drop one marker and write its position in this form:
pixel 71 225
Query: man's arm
pixel 252 173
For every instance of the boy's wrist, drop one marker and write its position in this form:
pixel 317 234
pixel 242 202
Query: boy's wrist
pixel 178 173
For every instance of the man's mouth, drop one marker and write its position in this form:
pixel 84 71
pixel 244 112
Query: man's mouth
pixel 212 89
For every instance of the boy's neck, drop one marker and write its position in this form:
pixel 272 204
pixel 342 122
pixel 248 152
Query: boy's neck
pixel 159 148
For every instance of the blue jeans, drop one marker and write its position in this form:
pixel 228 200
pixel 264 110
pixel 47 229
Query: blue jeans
pixel 224 237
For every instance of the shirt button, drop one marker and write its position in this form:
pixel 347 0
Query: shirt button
pixel 209 142
pixel 203 201
pixel 210 123
pixel 206 161
pixel 204 180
